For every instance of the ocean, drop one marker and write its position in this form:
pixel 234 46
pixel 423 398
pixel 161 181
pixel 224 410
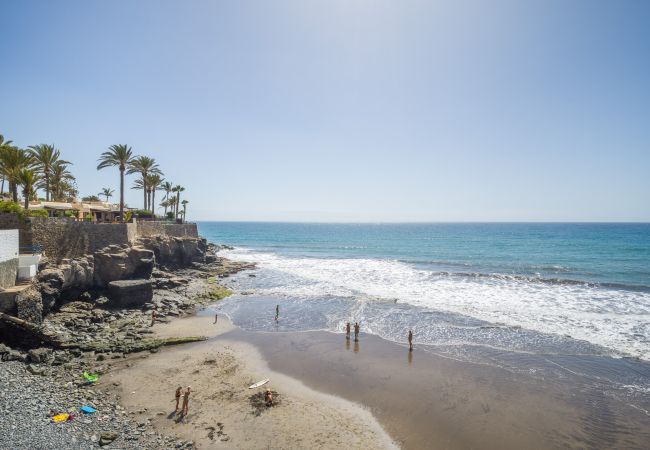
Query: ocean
pixel 548 298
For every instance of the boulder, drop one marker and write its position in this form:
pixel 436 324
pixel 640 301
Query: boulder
pixel 175 252
pixel 130 293
pixel 122 263
pixel 40 355
pixel 107 437
pixel 29 306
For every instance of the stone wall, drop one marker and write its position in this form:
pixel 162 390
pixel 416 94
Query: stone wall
pixel 8 257
pixel 66 238
pixel 10 221
pixel 152 228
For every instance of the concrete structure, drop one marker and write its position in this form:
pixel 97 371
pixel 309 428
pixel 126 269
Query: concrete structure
pixel 28 266
pixel 68 238
pixel 103 212
pixel 8 258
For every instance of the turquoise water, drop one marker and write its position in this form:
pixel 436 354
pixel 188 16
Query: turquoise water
pixel 557 301
pixel 616 254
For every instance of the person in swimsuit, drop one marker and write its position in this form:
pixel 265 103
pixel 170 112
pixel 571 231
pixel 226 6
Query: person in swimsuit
pixel 410 341
pixel 186 401
pixel 356 331
pixel 347 331
pixel 216 317
pixel 179 391
pixel 277 312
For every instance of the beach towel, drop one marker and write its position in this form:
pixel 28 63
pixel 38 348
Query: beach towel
pixel 60 418
pixel 90 378
pixel 87 409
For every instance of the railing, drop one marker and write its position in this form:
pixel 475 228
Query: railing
pixel 30 249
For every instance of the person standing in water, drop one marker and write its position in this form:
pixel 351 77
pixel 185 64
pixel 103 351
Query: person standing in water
pixel 179 391
pixel 356 331
pixel 186 401
pixel 347 331
pixel 277 312
pixel 410 341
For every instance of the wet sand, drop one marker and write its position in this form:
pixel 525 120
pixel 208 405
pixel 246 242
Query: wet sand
pixel 427 401
pixel 341 394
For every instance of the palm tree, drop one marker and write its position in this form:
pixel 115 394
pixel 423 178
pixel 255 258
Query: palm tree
pixel 171 202
pixel 145 166
pixel 3 144
pixel 164 204
pixel 120 156
pixel 61 181
pixel 153 184
pixel 178 189
pixel 45 156
pixel 184 203
pixel 108 192
pixel 27 178
pixel 167 186
pixel 12 161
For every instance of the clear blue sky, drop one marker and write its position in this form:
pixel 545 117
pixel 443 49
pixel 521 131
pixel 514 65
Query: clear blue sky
pixel 345 110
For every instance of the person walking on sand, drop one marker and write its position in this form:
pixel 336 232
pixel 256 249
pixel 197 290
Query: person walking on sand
pixel 277 312
pixel 216 317
pixel 153 316
pixel 347 331
pixel 186 401
pixel 179 391
pixel 356 331
pixel 410 341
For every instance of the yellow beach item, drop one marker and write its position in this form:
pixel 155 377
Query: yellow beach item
pixel 60 418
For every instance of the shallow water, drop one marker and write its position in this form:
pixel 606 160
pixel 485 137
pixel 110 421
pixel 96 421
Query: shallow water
pixel 564 303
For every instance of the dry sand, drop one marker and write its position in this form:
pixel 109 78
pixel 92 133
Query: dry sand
pixel 221 413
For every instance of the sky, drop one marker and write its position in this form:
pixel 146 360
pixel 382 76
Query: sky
pixel 350 110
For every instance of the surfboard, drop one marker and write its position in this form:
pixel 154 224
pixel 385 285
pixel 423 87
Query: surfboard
pixel 258 384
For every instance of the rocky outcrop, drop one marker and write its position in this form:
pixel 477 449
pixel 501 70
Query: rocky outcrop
pixel 122 263
pixel 176 252
pixel 130 293
pixel 29 305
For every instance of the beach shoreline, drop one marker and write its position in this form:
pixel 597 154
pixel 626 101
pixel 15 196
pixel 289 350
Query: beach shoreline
pixel 221 408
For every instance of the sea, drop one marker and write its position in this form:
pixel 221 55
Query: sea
pixel 548 299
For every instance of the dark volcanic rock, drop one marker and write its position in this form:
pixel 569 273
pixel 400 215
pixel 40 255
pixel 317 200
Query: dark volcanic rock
pixel 122 263
pixel 29 305
pixel 130 293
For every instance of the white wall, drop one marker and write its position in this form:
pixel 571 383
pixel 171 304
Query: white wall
pixel 8 245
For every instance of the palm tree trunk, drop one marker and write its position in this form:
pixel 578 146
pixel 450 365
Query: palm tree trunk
pixel 178 202
pixel 144 189
pixel 2 190
pixel 122 194
pixel 26 194
pixel 14 192
pixel 153 202
pixel 47 186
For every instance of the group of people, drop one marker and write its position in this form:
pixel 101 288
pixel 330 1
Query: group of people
pixel 186 400
pixel 356 334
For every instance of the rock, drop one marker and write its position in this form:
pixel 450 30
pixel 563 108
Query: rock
pixel 130 293
pixel 40 355
pixel 35 370
pixel 107 437
pixel 118 263
pixel 29 305
pixel 175 252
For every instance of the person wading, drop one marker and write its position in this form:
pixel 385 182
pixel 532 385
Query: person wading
pixel 356 331
pixel 277 312
pixel 347 331
pixel 410 341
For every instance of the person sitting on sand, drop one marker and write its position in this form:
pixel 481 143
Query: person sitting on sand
pixel 410 341
pixel 186 401
pixel 153 316
pixel 268 397
pixel 347 331
pixel 179 391
pixel 356 331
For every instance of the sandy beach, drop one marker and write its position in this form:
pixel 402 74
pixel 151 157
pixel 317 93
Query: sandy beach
pixel 221 413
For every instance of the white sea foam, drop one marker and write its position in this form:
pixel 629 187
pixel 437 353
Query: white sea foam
pixel 615 319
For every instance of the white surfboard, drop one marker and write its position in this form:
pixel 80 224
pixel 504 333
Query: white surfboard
pixel 258 384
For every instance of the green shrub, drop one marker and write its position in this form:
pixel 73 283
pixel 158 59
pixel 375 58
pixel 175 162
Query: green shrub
pixel 34 213
pixel 10 207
